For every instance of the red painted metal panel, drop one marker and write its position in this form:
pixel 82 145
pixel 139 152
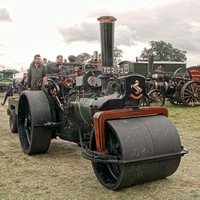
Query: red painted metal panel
pixel 100 117
pixel 195 71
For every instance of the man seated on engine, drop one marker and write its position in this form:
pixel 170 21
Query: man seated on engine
pixel 57 67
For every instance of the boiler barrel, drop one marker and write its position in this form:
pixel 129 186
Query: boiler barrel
pixel 82 109
pixel 148 147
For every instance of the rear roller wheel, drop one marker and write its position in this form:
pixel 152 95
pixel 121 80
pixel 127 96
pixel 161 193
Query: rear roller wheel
pixel 13 121
pixel 137 143
pixel 33 112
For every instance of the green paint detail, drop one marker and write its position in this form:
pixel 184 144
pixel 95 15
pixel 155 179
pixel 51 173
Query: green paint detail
pixel 4 81
pixel 77 112
pixel 84 108
pixel 81 107
pixel 73 101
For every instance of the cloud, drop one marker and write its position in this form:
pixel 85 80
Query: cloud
pixel 4 15
pixel 177 22
pixel 125 35
pixel 87 32
pixel 2 66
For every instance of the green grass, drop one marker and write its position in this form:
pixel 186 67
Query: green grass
pixel 62 173
pixel 185 117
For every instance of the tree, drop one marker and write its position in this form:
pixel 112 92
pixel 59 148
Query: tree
pixel 83 57
pixel 117 56
pixel 86 58
pixel 163 51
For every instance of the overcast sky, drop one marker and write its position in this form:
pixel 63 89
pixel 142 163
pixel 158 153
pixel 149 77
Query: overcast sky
pixel 70 27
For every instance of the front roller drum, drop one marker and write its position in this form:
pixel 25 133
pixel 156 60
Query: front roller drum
pixel 147 148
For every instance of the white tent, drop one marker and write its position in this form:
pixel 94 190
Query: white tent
pixel 19 76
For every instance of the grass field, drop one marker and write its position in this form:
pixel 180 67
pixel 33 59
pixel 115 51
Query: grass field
pixel 62 173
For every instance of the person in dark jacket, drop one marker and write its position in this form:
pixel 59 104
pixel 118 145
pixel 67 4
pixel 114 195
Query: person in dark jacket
pixel 35 73
pixel 22 85
pixel 9 92
pixel 57 68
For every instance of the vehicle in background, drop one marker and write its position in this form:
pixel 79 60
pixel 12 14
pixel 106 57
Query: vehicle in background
pixel 195 71
pixel 141 66
pixel 6 77
pixel 178 87
pixel 4 82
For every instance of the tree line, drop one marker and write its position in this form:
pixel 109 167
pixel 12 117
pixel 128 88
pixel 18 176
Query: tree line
pixel 162 51
pixel 87 58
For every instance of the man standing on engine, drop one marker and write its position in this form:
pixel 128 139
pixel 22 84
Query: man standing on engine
pixel 57 68
pixel 35 73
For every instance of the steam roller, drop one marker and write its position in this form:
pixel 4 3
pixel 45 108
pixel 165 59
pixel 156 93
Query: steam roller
pixel 100 111
pixel 143 148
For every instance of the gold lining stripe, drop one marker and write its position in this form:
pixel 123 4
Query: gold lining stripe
pixel 90 112
pixel 75 102
pixel 166 86
pixel 156 84
pixel 79 106
pixel 69 99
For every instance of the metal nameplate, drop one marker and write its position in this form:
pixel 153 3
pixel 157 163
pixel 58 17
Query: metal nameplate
pixel 111 70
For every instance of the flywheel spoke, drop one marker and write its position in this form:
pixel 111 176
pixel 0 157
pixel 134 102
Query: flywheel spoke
pixel 188 91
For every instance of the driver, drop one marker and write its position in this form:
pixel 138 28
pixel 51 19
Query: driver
pixel 57 67
pixel 35 73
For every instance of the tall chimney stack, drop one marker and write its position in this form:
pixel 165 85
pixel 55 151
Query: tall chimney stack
pixel 107 39
pixel 107 46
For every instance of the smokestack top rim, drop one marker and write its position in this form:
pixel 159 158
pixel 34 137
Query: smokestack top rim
pixel 107 19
